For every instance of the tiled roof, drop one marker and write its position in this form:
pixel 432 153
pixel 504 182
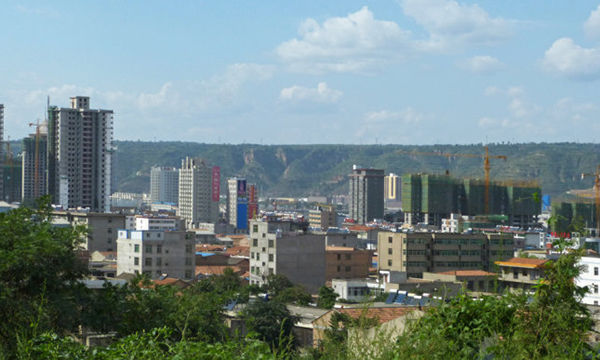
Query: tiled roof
pixel 238 251
pixel 172 281
pixel 208 247
pixel 215 269
pixel 382 314
pixel 523 262
pixel 467 273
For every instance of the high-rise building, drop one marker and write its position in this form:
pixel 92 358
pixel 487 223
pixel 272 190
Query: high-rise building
pixel 1 143
pixel 34 166
pixel 237 203
pixel 366 194
pixel 199 190
pixel 391 187
pixel 164 184
pixel 11 179
pixel 79 155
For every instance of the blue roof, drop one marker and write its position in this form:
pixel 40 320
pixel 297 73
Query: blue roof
pixel 204 254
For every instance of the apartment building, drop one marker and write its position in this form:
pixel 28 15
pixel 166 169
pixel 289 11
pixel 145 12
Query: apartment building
pixel 366 194
pixel 346 263
pixel 34 166
pixel 102 228
pixel 520 273
pixel 322 218
pixel 79 155
pixel 590 278
pixel 156 253
pixel 297 255
pixel 416 253
pixel 199 192
pixel 164 184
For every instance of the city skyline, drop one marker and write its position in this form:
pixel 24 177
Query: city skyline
pixel 403 72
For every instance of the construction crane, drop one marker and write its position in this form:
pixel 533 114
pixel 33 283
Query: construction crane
pixel 36 166
pixel 486 166
pixel 596 195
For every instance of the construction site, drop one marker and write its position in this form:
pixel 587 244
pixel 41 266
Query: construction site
pixel 429 198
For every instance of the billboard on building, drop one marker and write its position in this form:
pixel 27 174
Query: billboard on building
pixel 242 215
pixel 241 188
pixel 216 183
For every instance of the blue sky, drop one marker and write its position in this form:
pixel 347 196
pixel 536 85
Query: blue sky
pixel 283 72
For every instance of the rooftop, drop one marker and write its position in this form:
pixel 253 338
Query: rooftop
pixel 467 273
pixel 382 314
pixel 522 263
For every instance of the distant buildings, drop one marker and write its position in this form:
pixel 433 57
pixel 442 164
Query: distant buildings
pixel 1 143
pixel 79 155
pixel 366 194
pixel 323 217
pixel 346 263
pixel 156 253
pixel 298 256
pixel 199 191
pixel 34 166
pixel 430 198
pixel 392 190
pixel 102 228
pixel 164 184
pixel 416 253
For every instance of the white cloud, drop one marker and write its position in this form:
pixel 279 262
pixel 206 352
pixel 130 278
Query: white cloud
pixel 568 59
pixel 591 26
pixel 322 94
pixel 406 116
pixel 451 24
pixel 482 64
pixel 342 44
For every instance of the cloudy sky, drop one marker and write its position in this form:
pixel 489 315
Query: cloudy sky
pixel 281 72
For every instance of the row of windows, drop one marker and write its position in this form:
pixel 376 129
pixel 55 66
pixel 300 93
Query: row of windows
pixel 459 264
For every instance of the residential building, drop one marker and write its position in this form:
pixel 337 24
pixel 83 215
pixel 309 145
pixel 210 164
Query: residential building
pixel 199 191
pixel 590 278
pixel 416 253
pixel 346 262
pixel 297 255
pixel 473 280
pixel 520 273
pixel 34 166
pixel 453 225
pixel 102 228
pixel 366 194
pixel 79 155
pixel 158 222
pixel 11 180
pixel 164 184
pixel 323 217
pixel 237 203
pixel 156 253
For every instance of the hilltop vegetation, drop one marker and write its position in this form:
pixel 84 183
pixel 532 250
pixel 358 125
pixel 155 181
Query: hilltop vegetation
pixel 295 170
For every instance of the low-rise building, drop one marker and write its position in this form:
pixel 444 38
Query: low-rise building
pixel 323 217
pixel 297 255
pixel 156 253
pixel 346 262
pixel 590 277
pixel 102 228
pixel 520 273
pixel 473 280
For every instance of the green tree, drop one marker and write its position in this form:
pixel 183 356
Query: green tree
pixel 271 321
pixel 327 297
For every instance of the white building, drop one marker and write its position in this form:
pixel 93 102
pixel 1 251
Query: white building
pixel 164 184
pixel 453 224
pixel 156 253
pixel 198 192
pixel 162 223
pixel 590 277
pixel 79 155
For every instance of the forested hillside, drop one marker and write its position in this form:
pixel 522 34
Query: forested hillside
pixel 295 170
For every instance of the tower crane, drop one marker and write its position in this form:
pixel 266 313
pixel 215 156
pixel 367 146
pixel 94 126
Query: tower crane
pixel 486 166
pixel 596 195
pixel 36 166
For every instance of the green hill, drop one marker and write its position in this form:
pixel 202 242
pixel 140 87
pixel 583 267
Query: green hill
pixel 295 170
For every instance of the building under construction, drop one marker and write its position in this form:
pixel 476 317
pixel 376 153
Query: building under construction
pixel 430 198
pixel 567 213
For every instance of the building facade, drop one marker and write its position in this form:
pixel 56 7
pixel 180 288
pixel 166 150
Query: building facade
pixel 102 228
pixel 366 195
pixel 199 192
pixel 237 203
pixel 79 155
pixel 164 184
pixel 416 253
pixel 156 253
pixel 590 278
pixel 520 273
pixel 323 217
pixel 34 167
pixel 298 256
pixel 346 263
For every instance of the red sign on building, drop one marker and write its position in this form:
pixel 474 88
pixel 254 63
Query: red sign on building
pixel 216 183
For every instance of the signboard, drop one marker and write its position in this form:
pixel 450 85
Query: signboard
pixel 242 216
pixel 216 183
pixel 241 188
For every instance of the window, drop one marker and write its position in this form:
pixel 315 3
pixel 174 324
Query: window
pixel 271 243
pixel 136 248
pixel 188 248
pixel 271 271
pixel 339 268
pixel 148 262
pixel 596 271
pixel 390 239
pixel 339 256
pixel 158 261
pixel 515 274
pixel 389 262
pixel 348 256
pixel 254 241
pixel 390 251
pixel 347 268
pixel 148 249
pixel 481 285
pixel 158 249
pixel 188 261
pixel 254 228
pixel 188 274
pixel 595 288
pixel 270 257
pixel 136 261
